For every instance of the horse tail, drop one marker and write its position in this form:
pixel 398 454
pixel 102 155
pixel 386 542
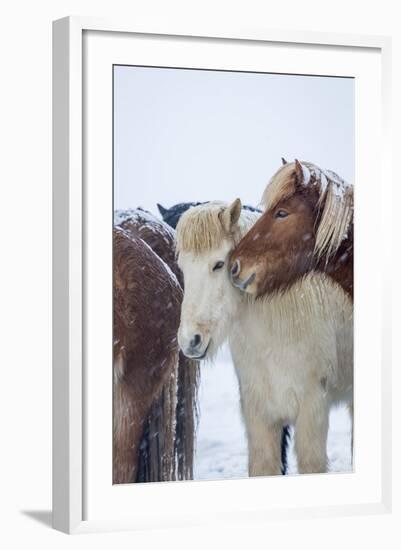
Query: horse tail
pixel 157 455
pixel 186 416
pixel 167 447
pixel 285 441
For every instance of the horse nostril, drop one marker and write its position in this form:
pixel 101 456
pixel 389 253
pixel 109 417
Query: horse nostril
pixel 249 281
pixel 236 268
pixel 196 340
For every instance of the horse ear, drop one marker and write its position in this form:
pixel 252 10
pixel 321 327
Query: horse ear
pixel 283 161
pixel 161 208
pixel 302 174
pixel 231 215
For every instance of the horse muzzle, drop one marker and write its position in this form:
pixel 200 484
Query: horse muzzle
pixel 196 348
pixel 236 280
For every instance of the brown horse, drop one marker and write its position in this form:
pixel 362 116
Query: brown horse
pixel 146 318
pixel 156 233
pixel 183 390
pixel 307 226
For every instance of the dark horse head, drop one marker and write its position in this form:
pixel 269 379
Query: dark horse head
pixel 173 214
pixel 307 225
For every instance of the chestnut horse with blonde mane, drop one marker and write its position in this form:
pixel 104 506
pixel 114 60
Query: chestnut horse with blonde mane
pixel 307 227
pixel 303 244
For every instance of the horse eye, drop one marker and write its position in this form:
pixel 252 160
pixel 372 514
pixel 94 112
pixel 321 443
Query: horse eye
pixel 218 265
pixel 281 214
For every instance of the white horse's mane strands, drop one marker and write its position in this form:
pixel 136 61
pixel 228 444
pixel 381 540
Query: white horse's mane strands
pixel 200 228
pixel 336 196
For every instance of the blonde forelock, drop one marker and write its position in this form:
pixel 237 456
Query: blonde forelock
pixel 200 228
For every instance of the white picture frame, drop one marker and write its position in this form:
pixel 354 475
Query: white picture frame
pixel 72 474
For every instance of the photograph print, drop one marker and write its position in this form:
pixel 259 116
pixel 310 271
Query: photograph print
pixel 232 274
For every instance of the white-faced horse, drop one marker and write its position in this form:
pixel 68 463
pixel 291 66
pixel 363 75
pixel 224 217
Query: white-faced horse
pixel 292 353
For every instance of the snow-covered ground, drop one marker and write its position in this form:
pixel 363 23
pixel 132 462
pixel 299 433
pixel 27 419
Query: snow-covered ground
pixel 221 442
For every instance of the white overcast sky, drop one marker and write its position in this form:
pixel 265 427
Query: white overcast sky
pixel 186 135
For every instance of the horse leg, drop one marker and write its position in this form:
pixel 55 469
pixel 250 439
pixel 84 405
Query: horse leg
pixel 128 427
pixel 311 430
pixel 264 441
pixel 285 441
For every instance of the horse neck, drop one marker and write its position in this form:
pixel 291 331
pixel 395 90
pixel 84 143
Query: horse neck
pixel 292 314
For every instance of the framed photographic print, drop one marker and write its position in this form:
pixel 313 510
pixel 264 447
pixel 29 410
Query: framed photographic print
pixel 210 318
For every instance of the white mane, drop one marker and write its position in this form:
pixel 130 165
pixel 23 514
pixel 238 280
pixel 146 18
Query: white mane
pixel 200 228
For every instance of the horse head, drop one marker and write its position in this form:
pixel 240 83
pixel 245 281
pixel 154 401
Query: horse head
pixel 205 236
pixel 307 215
